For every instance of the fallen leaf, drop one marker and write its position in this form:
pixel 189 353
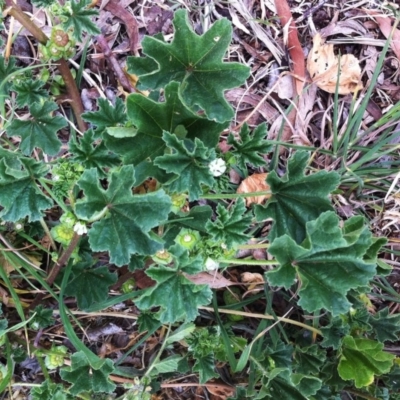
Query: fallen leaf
pixel 323 66
pixel 220 391
pixel 254 183
pixel 293 43
pixel 116 8
pixel 385 25
pixel 214 280
pixel 253 278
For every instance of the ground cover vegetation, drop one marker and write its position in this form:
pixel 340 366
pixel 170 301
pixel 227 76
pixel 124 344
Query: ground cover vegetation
pixel 199 200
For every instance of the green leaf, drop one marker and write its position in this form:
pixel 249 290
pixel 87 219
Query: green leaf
pixel 183 296
pixel 43 3
pixel 249 147
pixel 334 333
pixel 189 162
pixel 170 115
pixel 79 19
pixel 362 359
pixel 196 62
pixel 386 326
pixel 230 224
pixel 281 384
pixel 169 364
pixel 309 359
pixel 147 321
pixel 205 366
pixel 86 377
pixel 43 317
pixel 92 156
pixel 6 68
pixel 41 130
pixel 89 285
pixel 281 354
pixel 306 385
pixel 125 228
pixel 121 132
pixel 296 198
pixel 107 115
pixel 50 391
pixel 20 197
pixel 328 264
pixel 196 218
pixel 392 379
pixel 29 91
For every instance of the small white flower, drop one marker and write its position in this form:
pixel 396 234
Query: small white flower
pixel 80 228
pixel 18 226
pixel 217 167
pixel 56 178
pixel 211 265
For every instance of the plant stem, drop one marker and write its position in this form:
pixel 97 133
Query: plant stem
pixel 253 246
pixel 264 316
pixel 53 196
pixel 243 261
pixel 43 367
pixel 360 394
pixel 73 92
pixel 47 231
pixel 235 195
pixel 155 361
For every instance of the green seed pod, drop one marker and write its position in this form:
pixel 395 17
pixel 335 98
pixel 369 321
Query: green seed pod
pixel 162 257
pixel 178 201
pixel 55 358
pixel 128 286
pixel 230 298
pixel 187 238
pixel 63 234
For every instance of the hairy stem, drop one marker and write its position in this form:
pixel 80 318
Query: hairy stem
pixel 73 92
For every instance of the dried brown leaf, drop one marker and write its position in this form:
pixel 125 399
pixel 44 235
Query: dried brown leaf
pixel 293 43
pixel 323 66
pixel 254 183
pixel 385 25
pixel 214 280
pixel 220 391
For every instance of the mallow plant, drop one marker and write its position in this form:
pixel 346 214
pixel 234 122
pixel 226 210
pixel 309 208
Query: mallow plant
pixel 146 188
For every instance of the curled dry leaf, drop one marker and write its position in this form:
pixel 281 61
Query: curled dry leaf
pixel 254 183
pixel 252 277
pixel 323 66
pixel 214 280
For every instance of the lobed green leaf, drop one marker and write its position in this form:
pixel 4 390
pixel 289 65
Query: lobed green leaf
pixel 196 63
pixel 125 228
pixel 296 198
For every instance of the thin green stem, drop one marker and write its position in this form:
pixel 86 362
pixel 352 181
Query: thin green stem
pixel 253 246
pixel 155 361
pixel 235 195
pixel 264 316
pixel 47 231
pixel 360 394
pixel 43 367
pixel 244 261
pixel 53 196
